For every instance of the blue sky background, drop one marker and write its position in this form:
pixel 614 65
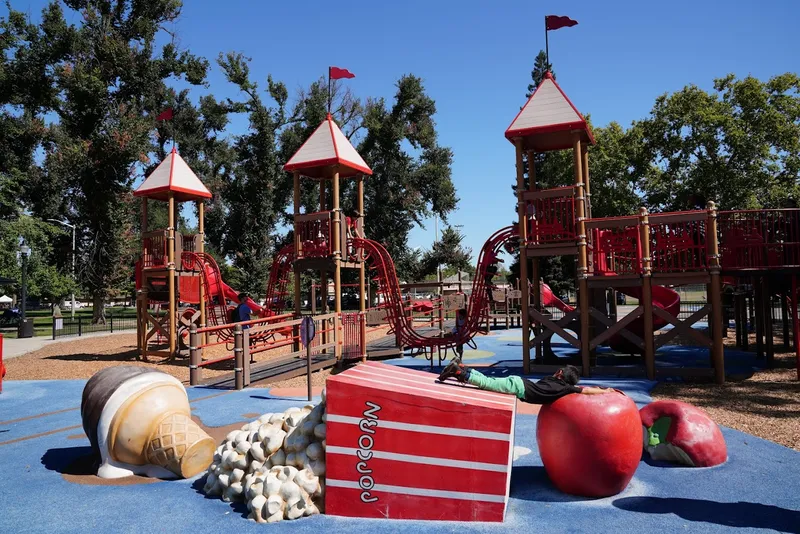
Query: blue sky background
pixel 475 58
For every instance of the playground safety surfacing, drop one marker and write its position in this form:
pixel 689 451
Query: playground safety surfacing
pixel 41 443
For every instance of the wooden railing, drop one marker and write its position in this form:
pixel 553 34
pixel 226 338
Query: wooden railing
pixel 616 245
pixel 551 215
pixel 678 241
pixel 154 249
pixel 759 239
pixel 315 231
pixel 257 336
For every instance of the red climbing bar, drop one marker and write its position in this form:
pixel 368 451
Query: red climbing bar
pixel 678 241
pixel 616 245
pixel 154 249
pixel 316 232
pixel 758 239
pixel 551 215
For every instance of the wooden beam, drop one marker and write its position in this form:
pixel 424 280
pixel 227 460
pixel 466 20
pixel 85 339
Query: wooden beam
pixel 618 327
pixel 556 327
pixel 682 327
pixel 523 257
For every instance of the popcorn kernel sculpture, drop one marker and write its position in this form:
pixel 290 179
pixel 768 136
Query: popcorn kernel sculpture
pixel 138 422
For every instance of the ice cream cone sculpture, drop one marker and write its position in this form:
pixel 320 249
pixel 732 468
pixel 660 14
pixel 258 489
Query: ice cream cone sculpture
pixel 138 422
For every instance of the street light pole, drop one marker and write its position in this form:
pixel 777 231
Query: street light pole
pixel 24 251
pixel 72 226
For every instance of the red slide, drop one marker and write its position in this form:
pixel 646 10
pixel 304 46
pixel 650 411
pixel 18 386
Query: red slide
pixel 550 300
pixel 663 297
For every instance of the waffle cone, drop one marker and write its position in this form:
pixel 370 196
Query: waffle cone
pixel 178 444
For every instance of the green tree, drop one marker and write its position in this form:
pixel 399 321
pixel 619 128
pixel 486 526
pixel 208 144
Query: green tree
pixel 102 82
pixel 406 186
pixel 45 280
pixel 738 145
pixel 448 251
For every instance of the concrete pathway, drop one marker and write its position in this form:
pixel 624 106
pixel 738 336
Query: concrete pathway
pixel 14 347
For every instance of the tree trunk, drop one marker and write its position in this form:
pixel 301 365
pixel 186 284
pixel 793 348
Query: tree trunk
pixel 98 309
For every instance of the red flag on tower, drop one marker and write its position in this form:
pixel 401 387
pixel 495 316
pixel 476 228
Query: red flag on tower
pixel 335 73
pixel 555 22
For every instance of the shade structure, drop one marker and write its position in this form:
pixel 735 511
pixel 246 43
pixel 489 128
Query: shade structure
pixel 549 120
pixel 327 151
pixel 173 175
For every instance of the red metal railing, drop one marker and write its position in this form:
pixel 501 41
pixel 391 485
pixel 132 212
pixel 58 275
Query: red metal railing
pixel 759 238
pixel 154 249
pixel 551 215
pixel 616 245
pixel 351 336
pixel 316 234
pixel 678 242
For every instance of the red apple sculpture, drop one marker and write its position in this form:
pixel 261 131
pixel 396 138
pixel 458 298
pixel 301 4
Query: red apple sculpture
pixel 590 444
pixel 681 433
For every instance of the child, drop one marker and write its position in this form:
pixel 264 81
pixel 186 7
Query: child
pixel 545 391
pixel 461 321
pixel 242 311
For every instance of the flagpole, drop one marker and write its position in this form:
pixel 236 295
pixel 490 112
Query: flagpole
pixel 330 97
pixel 546 44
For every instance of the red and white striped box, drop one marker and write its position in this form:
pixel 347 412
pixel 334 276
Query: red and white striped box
pixel 402 446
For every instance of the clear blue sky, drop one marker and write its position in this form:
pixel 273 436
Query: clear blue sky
pixel 475 58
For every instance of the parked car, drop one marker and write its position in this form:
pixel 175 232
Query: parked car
pixel 68 305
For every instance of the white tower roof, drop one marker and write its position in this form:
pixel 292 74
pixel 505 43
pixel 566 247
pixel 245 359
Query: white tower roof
pixel 327 147
pixel 547 119
pixel 173 175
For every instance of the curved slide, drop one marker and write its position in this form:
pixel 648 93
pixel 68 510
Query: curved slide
pixel 385 275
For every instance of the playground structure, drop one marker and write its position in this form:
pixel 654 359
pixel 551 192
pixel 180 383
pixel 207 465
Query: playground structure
pixel 643 256
pixel 639 255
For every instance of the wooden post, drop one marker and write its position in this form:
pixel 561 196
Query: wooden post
pixel 715 296
pixel 173 312
pixel 141 308
pixel 362 292
pixel 536 278
pixel 195 356
pixel 758 305
pixel 523 258
pixel 246 357
pixel 585 164
pixel 785 319
pixel 766 295
pixel 647 295
pixel 238 357
pixel 583 281
pixel 297 281
pixel 337 259
pixel 201 248
pixel 795 326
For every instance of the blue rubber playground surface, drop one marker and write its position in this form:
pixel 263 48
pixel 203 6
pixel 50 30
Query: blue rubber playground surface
pixel 41 437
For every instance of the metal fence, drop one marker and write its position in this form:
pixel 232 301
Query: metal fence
pixel 79 326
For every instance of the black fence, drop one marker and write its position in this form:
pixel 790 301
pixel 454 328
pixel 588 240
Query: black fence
pixel 79 326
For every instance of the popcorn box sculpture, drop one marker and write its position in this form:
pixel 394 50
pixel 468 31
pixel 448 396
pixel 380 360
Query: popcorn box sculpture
pixel 139 422
pixel 402 446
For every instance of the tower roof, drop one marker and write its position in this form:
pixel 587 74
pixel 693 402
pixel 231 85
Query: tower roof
pixel 173 175
pixel 548 119
pixel 326 151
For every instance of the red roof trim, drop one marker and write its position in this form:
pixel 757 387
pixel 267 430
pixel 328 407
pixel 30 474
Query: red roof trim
pixel 171 166
pixel 574 108
pixel 325 162
pixel 550 128
pixel 174 189
pixel 333 137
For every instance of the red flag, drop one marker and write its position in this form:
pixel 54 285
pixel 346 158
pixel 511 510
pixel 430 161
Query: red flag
pixel 165 115
pixel 335 73
pixel 554 22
